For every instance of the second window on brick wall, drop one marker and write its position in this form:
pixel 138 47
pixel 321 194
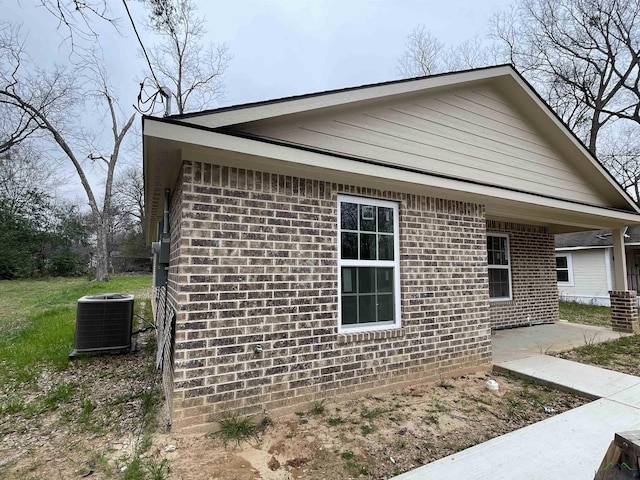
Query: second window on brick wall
pixel 368 264
pixel 499 266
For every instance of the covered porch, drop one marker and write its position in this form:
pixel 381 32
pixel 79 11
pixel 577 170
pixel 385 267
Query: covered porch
pixel 531 280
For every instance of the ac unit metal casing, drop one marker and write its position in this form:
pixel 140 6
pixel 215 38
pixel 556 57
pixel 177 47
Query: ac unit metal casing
pixel 103 324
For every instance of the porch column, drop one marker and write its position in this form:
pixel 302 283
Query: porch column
pixel 624 306
pixel 619 260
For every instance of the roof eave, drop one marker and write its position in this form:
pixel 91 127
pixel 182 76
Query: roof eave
pixel 226 147
pixel 509 79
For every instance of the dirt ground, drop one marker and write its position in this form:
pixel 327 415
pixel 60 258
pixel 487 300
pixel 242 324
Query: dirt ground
pixel 83 422
pixel 87 422
pixel 375 437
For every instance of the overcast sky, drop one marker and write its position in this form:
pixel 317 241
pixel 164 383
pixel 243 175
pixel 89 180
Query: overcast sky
pixel 279 47
pixel 283 48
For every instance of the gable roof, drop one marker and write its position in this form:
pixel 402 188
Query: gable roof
pixel 266 130
pixel 235 114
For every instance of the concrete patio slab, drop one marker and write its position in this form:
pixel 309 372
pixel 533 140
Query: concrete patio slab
pixel 594 382
pixel 510 344
pixel 569 446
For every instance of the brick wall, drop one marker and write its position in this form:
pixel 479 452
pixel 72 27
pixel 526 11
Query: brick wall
pixel 624 311
pixel 254 261
pixel 533 277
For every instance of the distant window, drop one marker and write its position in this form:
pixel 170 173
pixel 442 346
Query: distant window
pixel 564 269
pixel 368 264
pixel 499 266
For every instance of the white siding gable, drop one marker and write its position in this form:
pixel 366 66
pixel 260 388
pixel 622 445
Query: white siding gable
pixel 471 134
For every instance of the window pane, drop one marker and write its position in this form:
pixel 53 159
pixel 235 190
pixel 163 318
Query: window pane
pixel 385 308
pixel 385 219
pixel 349 216
pixel 368 218
pixel 349 310
pixel 491 246
pixel 498 283
pixel 561 262
pixel 491 251
pixel 367 304
pixel 385 247
pixel 497 251
pixel 385 280
pixel 563 275
pixel 367 246
pixel 366 280
pixel 504 253
pixel 349 245
pixel 349 280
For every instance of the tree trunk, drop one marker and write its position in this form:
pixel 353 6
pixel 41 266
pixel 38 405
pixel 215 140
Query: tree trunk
pixel 102 251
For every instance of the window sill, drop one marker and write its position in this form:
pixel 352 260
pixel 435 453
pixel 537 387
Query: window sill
pixel 500 301
pixel 356 337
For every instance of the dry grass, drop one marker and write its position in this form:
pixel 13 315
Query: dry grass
pixel 574 312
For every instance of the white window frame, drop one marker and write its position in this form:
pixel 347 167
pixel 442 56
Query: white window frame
pixel 395 264
pixel 569 269
pixel 502 267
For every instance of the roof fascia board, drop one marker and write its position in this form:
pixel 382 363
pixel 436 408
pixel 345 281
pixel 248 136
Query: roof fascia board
pixel 261 148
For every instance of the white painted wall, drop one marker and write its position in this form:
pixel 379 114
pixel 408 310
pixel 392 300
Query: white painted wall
pixel 592 274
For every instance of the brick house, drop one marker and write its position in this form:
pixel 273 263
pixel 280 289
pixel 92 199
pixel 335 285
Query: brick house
pixel 367 238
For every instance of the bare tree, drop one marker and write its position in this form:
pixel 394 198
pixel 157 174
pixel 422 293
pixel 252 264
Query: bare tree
pixel 425 54
pixel 128 190
pixel 52 100
pixel 15 125
pixel 422 54
pixel 77 18
pixel 620 153
pixel 191 69
pixel 25 178
pixel 471 53
pixel 582 55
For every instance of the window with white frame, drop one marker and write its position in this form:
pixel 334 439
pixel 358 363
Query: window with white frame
pixel 368 264
pixel 564 269
pixel 499 266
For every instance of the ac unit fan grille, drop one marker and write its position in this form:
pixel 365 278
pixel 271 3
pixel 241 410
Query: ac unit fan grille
pixel 103 324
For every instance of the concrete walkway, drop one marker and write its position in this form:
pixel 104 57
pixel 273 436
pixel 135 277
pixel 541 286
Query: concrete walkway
pixel 568 446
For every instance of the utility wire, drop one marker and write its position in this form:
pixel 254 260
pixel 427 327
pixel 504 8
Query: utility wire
pixel 144 50
pixel 153 97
